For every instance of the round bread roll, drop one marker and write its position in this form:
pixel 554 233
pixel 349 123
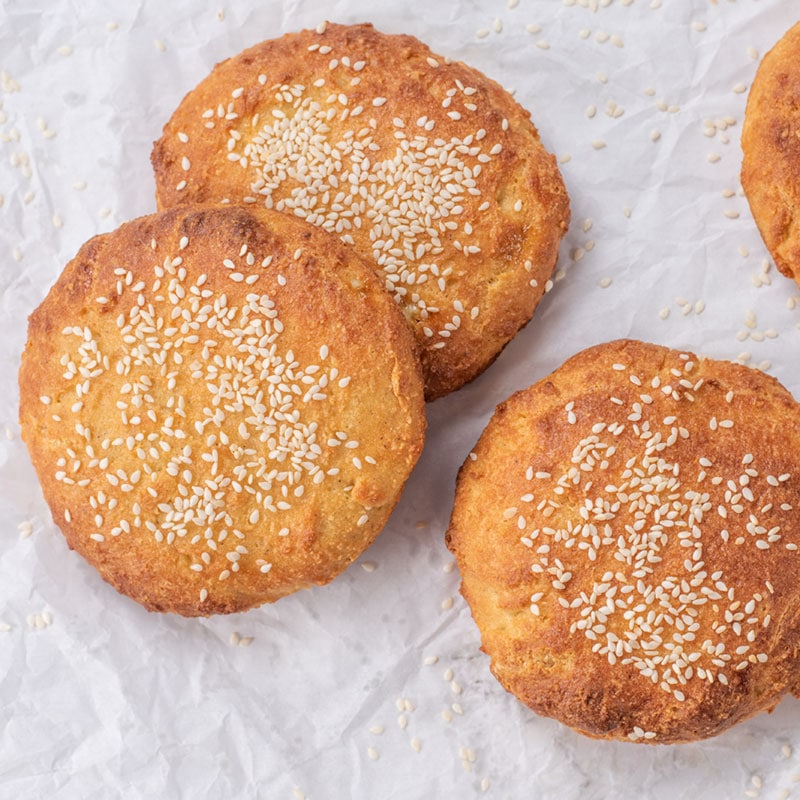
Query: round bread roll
pixel 626 531
pixel 771 146
pixel 430 170
pixel 222 405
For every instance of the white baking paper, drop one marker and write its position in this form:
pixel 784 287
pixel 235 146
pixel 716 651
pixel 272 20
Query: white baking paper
pixel 374 686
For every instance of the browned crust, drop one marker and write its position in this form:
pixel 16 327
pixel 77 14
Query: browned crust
pixel 323 295
pixel 542 658
pixel 771 147
pixel 496 280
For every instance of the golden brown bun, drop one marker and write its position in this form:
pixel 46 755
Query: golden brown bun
pixel 428 168
pixel 627 535
pixel 222 405
pixel 771 146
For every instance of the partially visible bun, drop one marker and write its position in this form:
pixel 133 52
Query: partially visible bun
pixel 430 170
pixel 771 147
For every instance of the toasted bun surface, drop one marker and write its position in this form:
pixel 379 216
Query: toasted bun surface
pixel 771 147
pixel 222 405
pixel 626 531
pixel 430 170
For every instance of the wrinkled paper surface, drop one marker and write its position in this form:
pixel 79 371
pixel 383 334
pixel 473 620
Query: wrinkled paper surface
pixel 333 697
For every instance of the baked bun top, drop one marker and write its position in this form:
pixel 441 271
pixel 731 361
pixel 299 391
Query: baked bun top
pixel 626 531
pixel 222 405
pixel 430 170
pixel 771 147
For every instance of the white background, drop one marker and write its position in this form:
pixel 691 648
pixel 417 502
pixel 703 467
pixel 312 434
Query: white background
pixel 109 701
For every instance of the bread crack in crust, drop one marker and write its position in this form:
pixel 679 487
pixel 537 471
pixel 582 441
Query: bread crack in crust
pixel 427 168
pixel 222 405
pixel 626 533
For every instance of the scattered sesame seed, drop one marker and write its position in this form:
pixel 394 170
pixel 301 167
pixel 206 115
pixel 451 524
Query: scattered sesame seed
pixel 39 620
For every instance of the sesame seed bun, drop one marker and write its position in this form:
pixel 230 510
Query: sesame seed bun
pixel 626 531
pixel 222 405
pixel 771 147
pixel 427 168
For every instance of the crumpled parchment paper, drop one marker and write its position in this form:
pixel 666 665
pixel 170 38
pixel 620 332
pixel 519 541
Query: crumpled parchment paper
pixel 374 686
